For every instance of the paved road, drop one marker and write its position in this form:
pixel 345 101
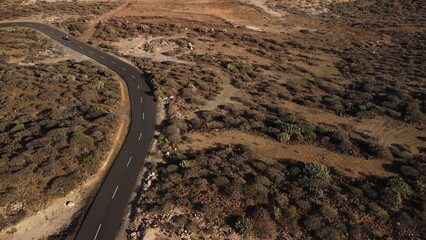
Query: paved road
pixel 104 217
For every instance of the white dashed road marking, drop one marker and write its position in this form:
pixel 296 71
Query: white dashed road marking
pixel 139 87
pixel 80 47
pixel 97 232
pixel 130 159
pixel 91 52
pixel 113 62
pixel 140 136
pixel 123 68
pixel 133 76
pixel 143 115
pixel 141 100
pixel 102 57
pixel 113 195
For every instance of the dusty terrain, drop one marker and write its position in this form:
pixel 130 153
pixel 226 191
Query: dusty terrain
pixel 326 98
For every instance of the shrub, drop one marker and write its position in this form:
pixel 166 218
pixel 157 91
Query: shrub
pixel 316 170
pixel 221 181
pixel 328 213
pixel 186 163
pixel 238 65
pixel 280 200
pixel 243 225
pixel 289 131
pixel 276 212
pixel 313 222
pixel 89 159
pixel 82 140
pixel 256 192
pixel 379 151
pixel 172 133
pixel 262 180
pixel 95 112
pixel 290 213
pixel 275 175
pixel 399 186
pixel 378 211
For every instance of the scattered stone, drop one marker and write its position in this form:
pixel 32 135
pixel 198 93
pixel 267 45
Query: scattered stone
pixel 70 204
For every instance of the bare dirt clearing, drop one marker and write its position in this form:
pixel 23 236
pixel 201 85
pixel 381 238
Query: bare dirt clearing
pixel 269 149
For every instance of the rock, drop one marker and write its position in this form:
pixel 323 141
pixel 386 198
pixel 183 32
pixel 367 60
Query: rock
pixel 69 204
pixel 190 46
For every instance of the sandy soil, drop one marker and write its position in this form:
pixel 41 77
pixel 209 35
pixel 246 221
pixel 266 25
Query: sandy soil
pixel 153 48
pixel 269 149
pixel 28 2
pixel 236 12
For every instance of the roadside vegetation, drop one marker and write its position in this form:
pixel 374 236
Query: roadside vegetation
pixel 23 45
pixel 56 124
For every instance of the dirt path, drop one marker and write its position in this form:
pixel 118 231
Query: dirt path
pixel 227 92
pixel 270 150
pixel 92 23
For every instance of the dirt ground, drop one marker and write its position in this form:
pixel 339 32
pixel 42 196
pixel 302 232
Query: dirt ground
pixel 270 149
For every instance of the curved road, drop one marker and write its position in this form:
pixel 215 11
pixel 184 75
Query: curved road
pixel 104 217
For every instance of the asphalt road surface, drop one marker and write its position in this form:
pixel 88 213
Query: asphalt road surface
pixel 104 217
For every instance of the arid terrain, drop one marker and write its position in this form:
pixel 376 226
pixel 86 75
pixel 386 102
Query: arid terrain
pixel 60 120
pixel 281 119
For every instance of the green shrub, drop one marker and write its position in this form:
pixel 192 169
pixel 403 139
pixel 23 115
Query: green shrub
pixel 276 212
pixel 82 140
pixel 172 133
pixel 289 131
pixel 203 29
pixel 275 175
pixel 186 163
pixel 313 222
pixel 379 151
pixel 316 170
pixel 238 65
pixel 290 213
pixel 89 159
pixel 399 186
pixel 143 27
pixel 243 225
pixel 280 200
pixel 95 112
